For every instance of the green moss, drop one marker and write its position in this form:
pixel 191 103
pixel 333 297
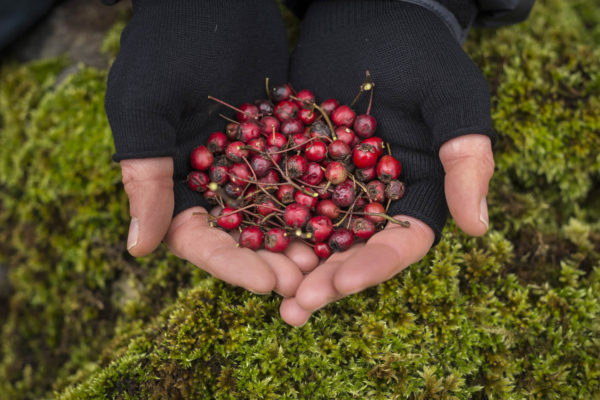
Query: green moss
pixel 512 315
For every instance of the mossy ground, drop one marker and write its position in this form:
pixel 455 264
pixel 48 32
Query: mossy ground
pixel 512 315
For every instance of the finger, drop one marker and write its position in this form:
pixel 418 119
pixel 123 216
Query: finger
pixel 148 183
pixel 469 164
pixel 191 238
pixel 303 255
pixel 292 313
pixel 387 253
pixel 287 274
pixel 316 289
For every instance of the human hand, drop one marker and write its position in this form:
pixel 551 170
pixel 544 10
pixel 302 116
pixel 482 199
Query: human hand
pixel 432 105
pixel 469 165
pixel 172 57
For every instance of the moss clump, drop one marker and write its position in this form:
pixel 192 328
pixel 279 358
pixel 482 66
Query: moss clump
pixel 512 315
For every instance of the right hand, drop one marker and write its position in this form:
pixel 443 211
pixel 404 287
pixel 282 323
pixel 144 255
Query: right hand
pixel 172 57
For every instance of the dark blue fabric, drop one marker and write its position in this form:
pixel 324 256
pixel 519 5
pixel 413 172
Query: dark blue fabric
pixel 18 16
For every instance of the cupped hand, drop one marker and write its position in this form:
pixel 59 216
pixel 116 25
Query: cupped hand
pixel 173 56
pixel 149 186
pixel 432 106
pixel 469 165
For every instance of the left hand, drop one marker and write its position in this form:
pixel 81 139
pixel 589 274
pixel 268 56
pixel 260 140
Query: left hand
pixel 432 106
pixel 469 165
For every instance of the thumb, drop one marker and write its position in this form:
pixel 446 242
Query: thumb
pixel 149 186
pixel 469 165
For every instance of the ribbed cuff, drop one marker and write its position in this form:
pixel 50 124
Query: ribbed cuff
pixel 139 134
pixel 186 198
pixel 424 200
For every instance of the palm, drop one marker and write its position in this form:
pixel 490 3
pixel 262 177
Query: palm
pixel 192 238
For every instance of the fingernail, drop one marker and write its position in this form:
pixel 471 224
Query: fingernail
pixel 483 212
pixel 133 233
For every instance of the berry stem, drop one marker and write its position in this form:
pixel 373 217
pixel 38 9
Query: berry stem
pixel 327 120
pixel 363 187
pixel 393 220
pixel 267 89
pixel 366 86
pixel 288 180
pixel 228 119
pixel 370 100
pixel 232 107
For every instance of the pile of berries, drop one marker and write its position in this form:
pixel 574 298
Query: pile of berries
pixel 289 167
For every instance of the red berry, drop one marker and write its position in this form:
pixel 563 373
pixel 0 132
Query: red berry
pixel 229 219
pixel 313 175
pixel 364 156
pixel 285 194
pixel 374 208
pixel 291 126
pixel 231 130
pixel 394 190
pixel 376 142
pixel 251 237
pixel 376 190
pixel 276 240
pixel 343 116
pixel 341 239
pixel 239 174
pixel 298 140
pixel 250 112
pixel 360 203
pixel 270 177
pixel 320 227
pixel 388 168
pixel 248 130
pixel 217 142
pixel 345 134
pixel 343 194
pixel 260 144
pixel 303 198
pixel 269 124
pixel 198 181
pixel 363 228
pixel 286 109
pixel 305 98
pixel 211 196
pixel 281 92
pixel 235 151
pixel 221 160
pixel 265 107
pixel 201 158
pixel 296 166
pixel 329 105
pixel 296 215
pixel 328 208
pixel 265 206
pixel 307 116
pixel 336 172
pixel 322 190
pixel 219 174
pixel 319 128
pixel 338 150
pixel 274 153
pixel 322 250
pixel 365 125
pixel 233 190
pixel 316 151
pixel 260 165
pixel 276 139
pixel 365 174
